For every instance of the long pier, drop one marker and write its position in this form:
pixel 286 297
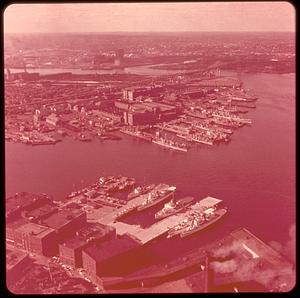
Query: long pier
pixel 157 229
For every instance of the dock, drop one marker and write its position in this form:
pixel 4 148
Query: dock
pixel 157 229
pixel 262 260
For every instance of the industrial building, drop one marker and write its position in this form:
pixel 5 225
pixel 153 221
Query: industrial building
pixel 242 262
pixel 141 113
pixel 35 238
pixel 133 93
pixel 38 214
pixel 109 258
pixel 70 251
pixel 23 202
pixel 65 223
pixel 16 264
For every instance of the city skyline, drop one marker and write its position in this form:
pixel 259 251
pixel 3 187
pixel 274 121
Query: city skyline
pixel 150 17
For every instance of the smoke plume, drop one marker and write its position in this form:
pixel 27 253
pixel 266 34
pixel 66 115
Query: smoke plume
pixel 289 249
pixel 257 269
pixel 226 250
pixel 224 267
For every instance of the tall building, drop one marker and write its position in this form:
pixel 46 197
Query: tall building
pixel 36 238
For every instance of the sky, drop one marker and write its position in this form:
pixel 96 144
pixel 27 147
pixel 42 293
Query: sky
pixel 153 17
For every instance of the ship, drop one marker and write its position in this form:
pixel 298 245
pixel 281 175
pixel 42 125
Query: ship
pixel 232 117
pixel 140 190
pixel 170 144
pixel 200 115
pixel 132 208
pixel 187 137
pixel 138 134
pixel 227 123
pixel 224 130
pixel 203 140
pixel 125 212
pixel 42 142
pixel 174 207
pixel 156 197
pixel 208 217
pixel 197 221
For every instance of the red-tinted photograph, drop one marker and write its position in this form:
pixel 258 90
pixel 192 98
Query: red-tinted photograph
pixel 149 147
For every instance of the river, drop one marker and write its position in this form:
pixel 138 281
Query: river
pixel 139 70
pixel 254 174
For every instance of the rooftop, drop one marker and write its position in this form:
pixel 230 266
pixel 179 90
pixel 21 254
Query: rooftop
pixel 41 211
pixel 111 248
pixel 91 230
pixel 16 223
pixel 13 257
pixel 22 200
pixel 257 248
pixel 35 230
pixel 62 218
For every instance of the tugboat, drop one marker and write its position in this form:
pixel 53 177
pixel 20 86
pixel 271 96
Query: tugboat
pixel 174 207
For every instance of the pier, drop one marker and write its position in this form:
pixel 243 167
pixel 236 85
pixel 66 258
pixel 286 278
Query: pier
pixel 157 229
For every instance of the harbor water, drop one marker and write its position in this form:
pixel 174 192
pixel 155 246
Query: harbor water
pixel 254 174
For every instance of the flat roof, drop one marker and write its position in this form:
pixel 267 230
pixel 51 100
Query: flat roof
pixel 258 248
pixel 35 230
pixel 95 230
pixel 162 106
pixel 16 223
pixel 111 248
pixel 13 257
pixel 58 220
pixel 45 209
pixel 74 242
pixel 21 200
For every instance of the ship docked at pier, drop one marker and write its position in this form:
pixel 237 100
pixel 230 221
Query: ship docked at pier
pixel 150 196
pixel 174 207
pixel 157 196
pixel 137 133
pixel 140 190
pixel 202 215
pixel 170 144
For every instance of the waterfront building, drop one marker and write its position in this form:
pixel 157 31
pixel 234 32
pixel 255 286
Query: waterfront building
pixel 38 214
pixel 109 258
pixel 35 238
pixel 65 223
pixel 70 251
pixel 23 201
pixel 140 117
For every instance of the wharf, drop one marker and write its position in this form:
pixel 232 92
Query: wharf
pixel 157 229
pixel 245 246
pixel 144 235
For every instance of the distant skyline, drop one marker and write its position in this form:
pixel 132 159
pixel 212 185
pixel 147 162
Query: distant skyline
pixel 150 17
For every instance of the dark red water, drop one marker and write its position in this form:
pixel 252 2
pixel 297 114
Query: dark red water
pixel 254 174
